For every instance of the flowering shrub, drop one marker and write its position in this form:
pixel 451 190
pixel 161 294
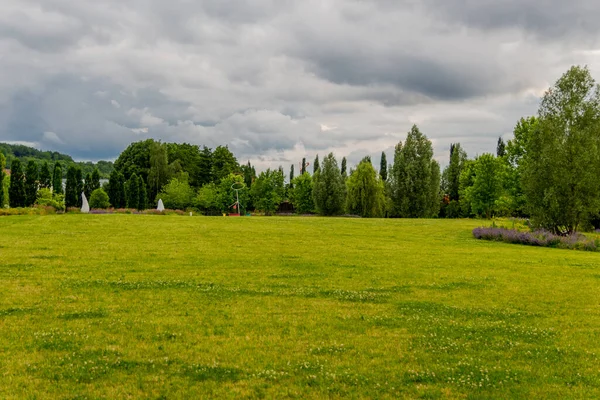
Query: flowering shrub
pixel 539 238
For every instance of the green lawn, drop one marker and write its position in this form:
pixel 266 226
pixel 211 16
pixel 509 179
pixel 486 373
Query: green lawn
pixel 117 306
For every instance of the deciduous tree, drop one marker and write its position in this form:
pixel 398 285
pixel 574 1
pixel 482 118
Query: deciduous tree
pixel 329 190
pixel 562 157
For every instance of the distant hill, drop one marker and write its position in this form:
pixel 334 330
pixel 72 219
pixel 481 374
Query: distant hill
pixel 26 153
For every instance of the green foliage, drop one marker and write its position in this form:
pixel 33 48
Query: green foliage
pixel 383 167
pixel 316 166
pixel 177 195
pixel 561 164
pixel 99 199
pixel 208 199
pixel 205 166
pixel 45 176
pixel 132 191
pixel 303 167
pixel 135 159
pixel 344 168
pixel 143 193
pixel 2 179
pixel 500 148
pixel 74 187
pixel 249 173
pixel 301 195
pixel 487 185
pixel 159 167
pixel 87 185
pixel 224 163
pixel 16 193
pixel 57 186
pixel 291 176
pixel 268 191
pixel 26 154
pixel 31 183
pixel 116 190
pixel 329 190
pixel 416 178
pixel 46 198
pixel 227 195
pixel 365 191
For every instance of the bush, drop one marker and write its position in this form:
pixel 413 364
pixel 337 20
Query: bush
pixel 177 195
pixel 46 198
pixel 539 238
pixel 99 199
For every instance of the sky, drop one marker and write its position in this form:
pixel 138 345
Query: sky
pixel 278 80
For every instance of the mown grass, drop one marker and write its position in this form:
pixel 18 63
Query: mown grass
pixel 133 306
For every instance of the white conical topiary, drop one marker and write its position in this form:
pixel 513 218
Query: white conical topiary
pixel 85 206
pixel 161 206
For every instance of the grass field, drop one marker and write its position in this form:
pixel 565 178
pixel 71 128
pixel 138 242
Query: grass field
pixel 127 306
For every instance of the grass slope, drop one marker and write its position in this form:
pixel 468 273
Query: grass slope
pixel 114 306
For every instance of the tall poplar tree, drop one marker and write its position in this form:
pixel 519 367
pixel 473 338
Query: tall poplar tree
pixel 365 191
pixel 329 190
pixel 383 173
pixel 344 169
pixel 316 165
pixel 416 178
pixel 303 169
pixel 16 192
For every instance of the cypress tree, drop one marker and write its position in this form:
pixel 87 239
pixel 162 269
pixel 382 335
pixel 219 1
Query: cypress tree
pixel 2 176
pixel 116 189
pixel 87 185
pixel 31 183
pixel 383 167
pixel 500 148
pixel 316 165
pixel 79 187
pixel 143 195
pixel 344 166
pixel 16 192
pixel 133 192
pixel 303 168
pixel 57 187
pixel 95 183
pixel 45 176
pixel 73 187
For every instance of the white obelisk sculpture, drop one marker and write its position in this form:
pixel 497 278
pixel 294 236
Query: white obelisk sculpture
pixel 85 206
pixel 161 206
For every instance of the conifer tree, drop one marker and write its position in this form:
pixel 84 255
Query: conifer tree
pixel 303 168
pixel 87 185
pixel 16 192
pixel 500 148
pixel 133 192
pixel 143 195
pixel 57 187
pixel 344 166
pixel 74 187
pixel 2 177
pixel 45 176
pixel 383 167
pixel 31 183
pixel 316 165
pixel 116 189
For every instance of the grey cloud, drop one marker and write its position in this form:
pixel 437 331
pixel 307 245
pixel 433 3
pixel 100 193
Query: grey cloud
pixel 279 80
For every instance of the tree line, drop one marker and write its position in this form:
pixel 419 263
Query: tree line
pixel 549 172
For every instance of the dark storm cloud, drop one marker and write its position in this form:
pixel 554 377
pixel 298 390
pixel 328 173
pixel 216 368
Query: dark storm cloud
pixel 277 80
pixel 547 20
